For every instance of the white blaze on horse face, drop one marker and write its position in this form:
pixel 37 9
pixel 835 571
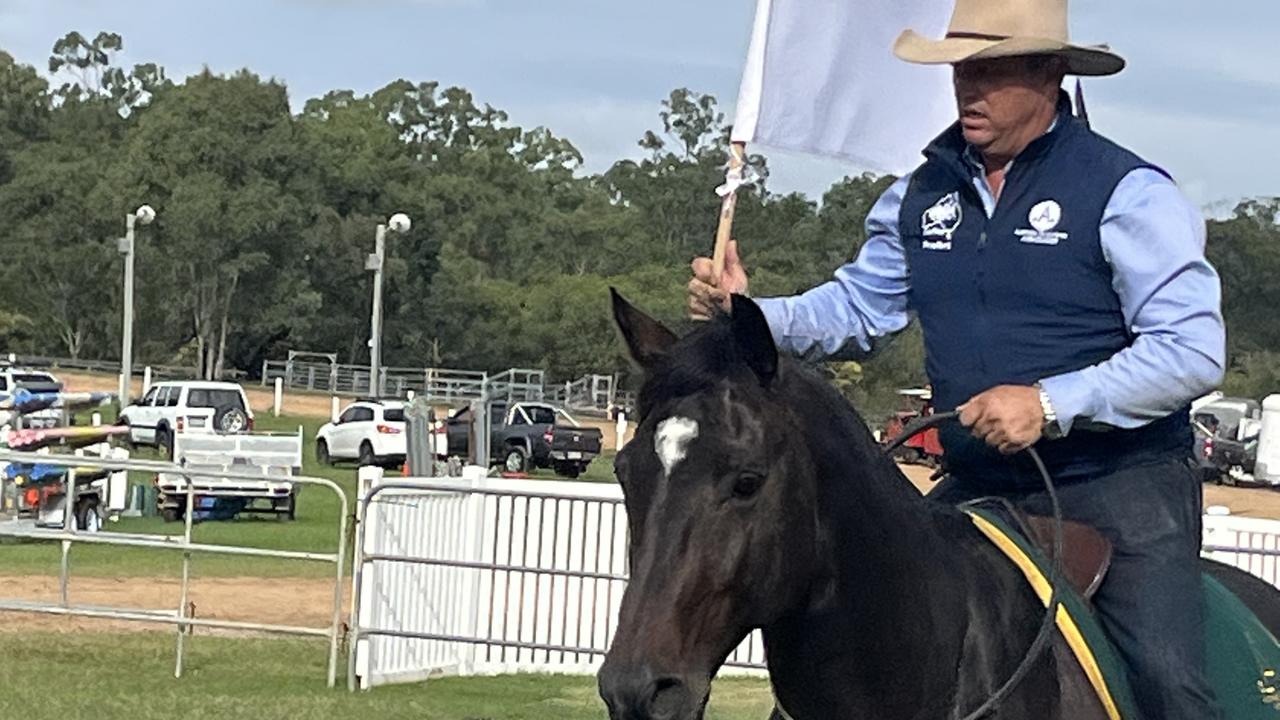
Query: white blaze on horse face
pixel 671 442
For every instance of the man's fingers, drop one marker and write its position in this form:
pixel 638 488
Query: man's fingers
pixel 731 259
pixel 702 269
pixel 698 310
pixel 1011 448
pixel 704 300
pixel 708 293
pixel 985 425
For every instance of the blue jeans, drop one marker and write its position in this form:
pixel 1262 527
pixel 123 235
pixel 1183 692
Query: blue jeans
pixel 1151 604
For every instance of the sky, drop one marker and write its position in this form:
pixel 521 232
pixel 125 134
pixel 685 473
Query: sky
pixel 1200 98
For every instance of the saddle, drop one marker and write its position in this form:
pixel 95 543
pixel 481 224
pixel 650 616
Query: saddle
pixel 1086 554
pixel 1243 655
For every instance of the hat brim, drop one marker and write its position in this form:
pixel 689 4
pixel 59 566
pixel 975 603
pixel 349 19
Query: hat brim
pixel 1081 59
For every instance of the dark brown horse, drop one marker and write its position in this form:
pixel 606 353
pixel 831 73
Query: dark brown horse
pixel 757 498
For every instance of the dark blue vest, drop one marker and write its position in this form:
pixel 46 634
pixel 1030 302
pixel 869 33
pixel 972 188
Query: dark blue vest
pixel 1024 295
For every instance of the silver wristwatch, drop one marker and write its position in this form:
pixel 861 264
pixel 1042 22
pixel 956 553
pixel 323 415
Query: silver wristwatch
pixel 1052 430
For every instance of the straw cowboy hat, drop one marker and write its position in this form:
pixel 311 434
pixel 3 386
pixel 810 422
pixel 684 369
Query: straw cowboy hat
pixel 1002 28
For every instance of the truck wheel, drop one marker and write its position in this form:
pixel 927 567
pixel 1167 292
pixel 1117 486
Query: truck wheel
pixel 514 460
pixel 322 453
pixel 87 518
pixel 569 470
pixel 230 420
pixel 288 510
pixel 164 443
pixel 366 455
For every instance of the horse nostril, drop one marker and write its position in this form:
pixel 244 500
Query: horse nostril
pixel 669 696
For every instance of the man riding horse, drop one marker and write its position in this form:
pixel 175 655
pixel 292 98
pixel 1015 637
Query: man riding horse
pixel 1066 303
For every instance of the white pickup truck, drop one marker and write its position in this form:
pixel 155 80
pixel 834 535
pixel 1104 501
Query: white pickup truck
pixel 275 458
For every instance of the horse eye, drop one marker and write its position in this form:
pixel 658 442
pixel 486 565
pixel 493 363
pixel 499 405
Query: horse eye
pixel 747 485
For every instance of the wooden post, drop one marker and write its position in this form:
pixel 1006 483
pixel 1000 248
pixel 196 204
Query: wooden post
pixel 728 204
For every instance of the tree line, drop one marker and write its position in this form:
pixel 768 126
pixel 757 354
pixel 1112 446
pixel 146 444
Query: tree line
pixel 265 215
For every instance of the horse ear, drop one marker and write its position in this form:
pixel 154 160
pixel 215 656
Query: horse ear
pixel 647 339
pixel 754 339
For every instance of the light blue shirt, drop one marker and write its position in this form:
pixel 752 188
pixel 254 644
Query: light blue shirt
pixel 1152 237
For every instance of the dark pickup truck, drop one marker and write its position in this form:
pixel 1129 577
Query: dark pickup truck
pixel 1221 457
pixel 530 435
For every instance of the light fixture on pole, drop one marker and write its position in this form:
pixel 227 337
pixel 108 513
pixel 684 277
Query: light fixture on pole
pixel 400 224
pixel 143 215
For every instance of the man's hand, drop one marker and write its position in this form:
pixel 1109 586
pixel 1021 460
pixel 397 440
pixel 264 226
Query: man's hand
pixel 705 296
pixel 1008 417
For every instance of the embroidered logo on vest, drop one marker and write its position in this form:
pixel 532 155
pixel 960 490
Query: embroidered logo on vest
pixel 941 221
pixel 1044 217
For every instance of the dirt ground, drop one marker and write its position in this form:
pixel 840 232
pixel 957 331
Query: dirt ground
pixel 260 398
pixel 304 602
pixel 1246 502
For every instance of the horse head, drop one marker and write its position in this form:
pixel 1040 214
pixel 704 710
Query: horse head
pixel 721 497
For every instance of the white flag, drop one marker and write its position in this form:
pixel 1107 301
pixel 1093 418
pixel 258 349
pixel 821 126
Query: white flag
pixel 821 78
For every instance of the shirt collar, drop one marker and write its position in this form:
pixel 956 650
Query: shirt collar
pixel 973 158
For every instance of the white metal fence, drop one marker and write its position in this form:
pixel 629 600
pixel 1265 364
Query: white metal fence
pixel 445 386
pixel 442 384
pixel 1251 544
pixel 485 576
pixel 179 617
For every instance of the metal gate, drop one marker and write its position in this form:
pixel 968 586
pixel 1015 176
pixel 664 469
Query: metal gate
pixel 68 535
pixel 1251 544
pixel 486 575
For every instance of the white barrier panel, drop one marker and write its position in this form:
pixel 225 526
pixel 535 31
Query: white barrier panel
pixel 527 576
pixel 1225 536
pixel 510 576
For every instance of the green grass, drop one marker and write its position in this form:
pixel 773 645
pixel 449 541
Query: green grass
pixel 130 677
pixel 315 529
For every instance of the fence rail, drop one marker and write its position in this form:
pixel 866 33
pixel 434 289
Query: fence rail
pixel 1251 544
pixel 483 575
pixel 112 367
pixel 180 617
pixel 591 394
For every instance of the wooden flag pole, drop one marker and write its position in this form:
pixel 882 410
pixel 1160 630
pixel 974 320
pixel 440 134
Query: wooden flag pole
pixel 728 204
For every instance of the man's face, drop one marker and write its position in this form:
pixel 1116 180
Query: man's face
pixel 999 97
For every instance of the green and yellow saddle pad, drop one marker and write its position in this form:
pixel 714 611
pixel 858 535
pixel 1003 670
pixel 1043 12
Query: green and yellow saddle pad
pixel 1243 656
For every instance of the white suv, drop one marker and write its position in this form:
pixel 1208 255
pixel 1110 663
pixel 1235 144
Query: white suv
pixel 186 406
pixel 371 433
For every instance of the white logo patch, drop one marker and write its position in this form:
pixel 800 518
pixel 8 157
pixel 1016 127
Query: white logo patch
pixel 1044 217
pixel 942 220
pixel 671 442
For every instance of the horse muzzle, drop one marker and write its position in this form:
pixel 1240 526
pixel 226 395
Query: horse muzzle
pixel 637 693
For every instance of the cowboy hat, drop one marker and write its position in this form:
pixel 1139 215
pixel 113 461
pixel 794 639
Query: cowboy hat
pixel 982 29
